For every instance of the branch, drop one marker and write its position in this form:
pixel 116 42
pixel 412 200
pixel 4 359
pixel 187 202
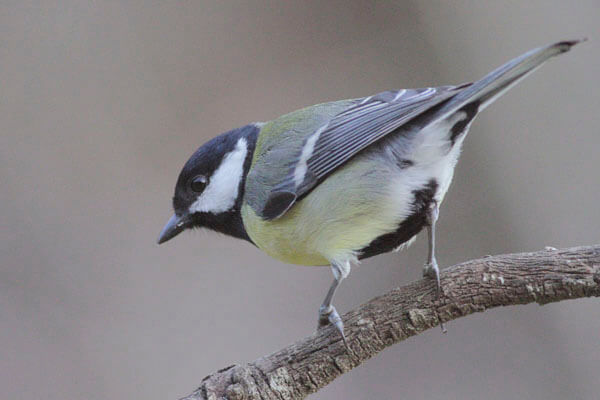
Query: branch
pixel 473 286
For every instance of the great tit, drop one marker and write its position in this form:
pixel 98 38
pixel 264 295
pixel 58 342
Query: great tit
pixel 337 182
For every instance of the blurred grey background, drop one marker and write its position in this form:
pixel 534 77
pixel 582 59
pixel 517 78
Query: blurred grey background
pixel 102 103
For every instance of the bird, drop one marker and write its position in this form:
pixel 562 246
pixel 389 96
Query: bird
pixel 341 181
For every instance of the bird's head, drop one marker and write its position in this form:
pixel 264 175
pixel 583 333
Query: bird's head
pixel 210 187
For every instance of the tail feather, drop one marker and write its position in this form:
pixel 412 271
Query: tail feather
pixel 497 82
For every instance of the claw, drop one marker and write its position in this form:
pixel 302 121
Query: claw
pixel 330 315
pixel 432 271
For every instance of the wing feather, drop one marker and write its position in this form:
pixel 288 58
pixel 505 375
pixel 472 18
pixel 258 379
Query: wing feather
pixel 367 120
pixel 356 128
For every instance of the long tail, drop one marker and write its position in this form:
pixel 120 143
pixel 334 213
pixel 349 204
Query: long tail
pixel 484 91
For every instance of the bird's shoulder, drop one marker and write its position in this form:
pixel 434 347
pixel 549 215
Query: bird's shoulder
pixel 278 144
pixel 290 130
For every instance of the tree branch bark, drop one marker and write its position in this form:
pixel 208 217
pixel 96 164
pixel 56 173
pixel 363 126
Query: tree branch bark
pixel 473 286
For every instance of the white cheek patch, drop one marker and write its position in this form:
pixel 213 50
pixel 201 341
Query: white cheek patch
pixel 222 190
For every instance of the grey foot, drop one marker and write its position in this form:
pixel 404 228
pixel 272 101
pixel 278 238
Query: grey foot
pixel 432 271
pixel 329 315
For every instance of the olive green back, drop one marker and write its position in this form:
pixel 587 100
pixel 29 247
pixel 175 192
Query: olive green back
pixel 279 145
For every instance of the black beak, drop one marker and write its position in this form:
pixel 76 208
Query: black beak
pixel 174 227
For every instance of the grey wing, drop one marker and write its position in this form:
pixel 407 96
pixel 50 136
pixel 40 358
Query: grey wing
pixel 345 135
pixel 369 120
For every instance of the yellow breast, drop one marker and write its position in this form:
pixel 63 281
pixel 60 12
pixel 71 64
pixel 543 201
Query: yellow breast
pixel 342 215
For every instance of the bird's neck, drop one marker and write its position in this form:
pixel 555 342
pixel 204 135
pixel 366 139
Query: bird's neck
pixel 230 222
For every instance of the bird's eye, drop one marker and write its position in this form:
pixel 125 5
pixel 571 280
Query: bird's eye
pixel 198 183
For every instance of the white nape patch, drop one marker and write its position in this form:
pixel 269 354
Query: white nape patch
pixel 222 190
pixel 307 151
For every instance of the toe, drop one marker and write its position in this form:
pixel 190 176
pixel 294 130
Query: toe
pixel 324 316
pixel 336 320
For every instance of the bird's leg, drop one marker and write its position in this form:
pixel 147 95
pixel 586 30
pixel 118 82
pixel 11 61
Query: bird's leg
pixel 327 312
pixel 431 269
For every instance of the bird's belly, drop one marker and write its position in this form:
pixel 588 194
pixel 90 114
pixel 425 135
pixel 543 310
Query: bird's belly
pixel 347 213
pixel 307 235
pixel 373 204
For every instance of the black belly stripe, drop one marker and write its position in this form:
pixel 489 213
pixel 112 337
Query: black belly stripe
pixel 407 228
